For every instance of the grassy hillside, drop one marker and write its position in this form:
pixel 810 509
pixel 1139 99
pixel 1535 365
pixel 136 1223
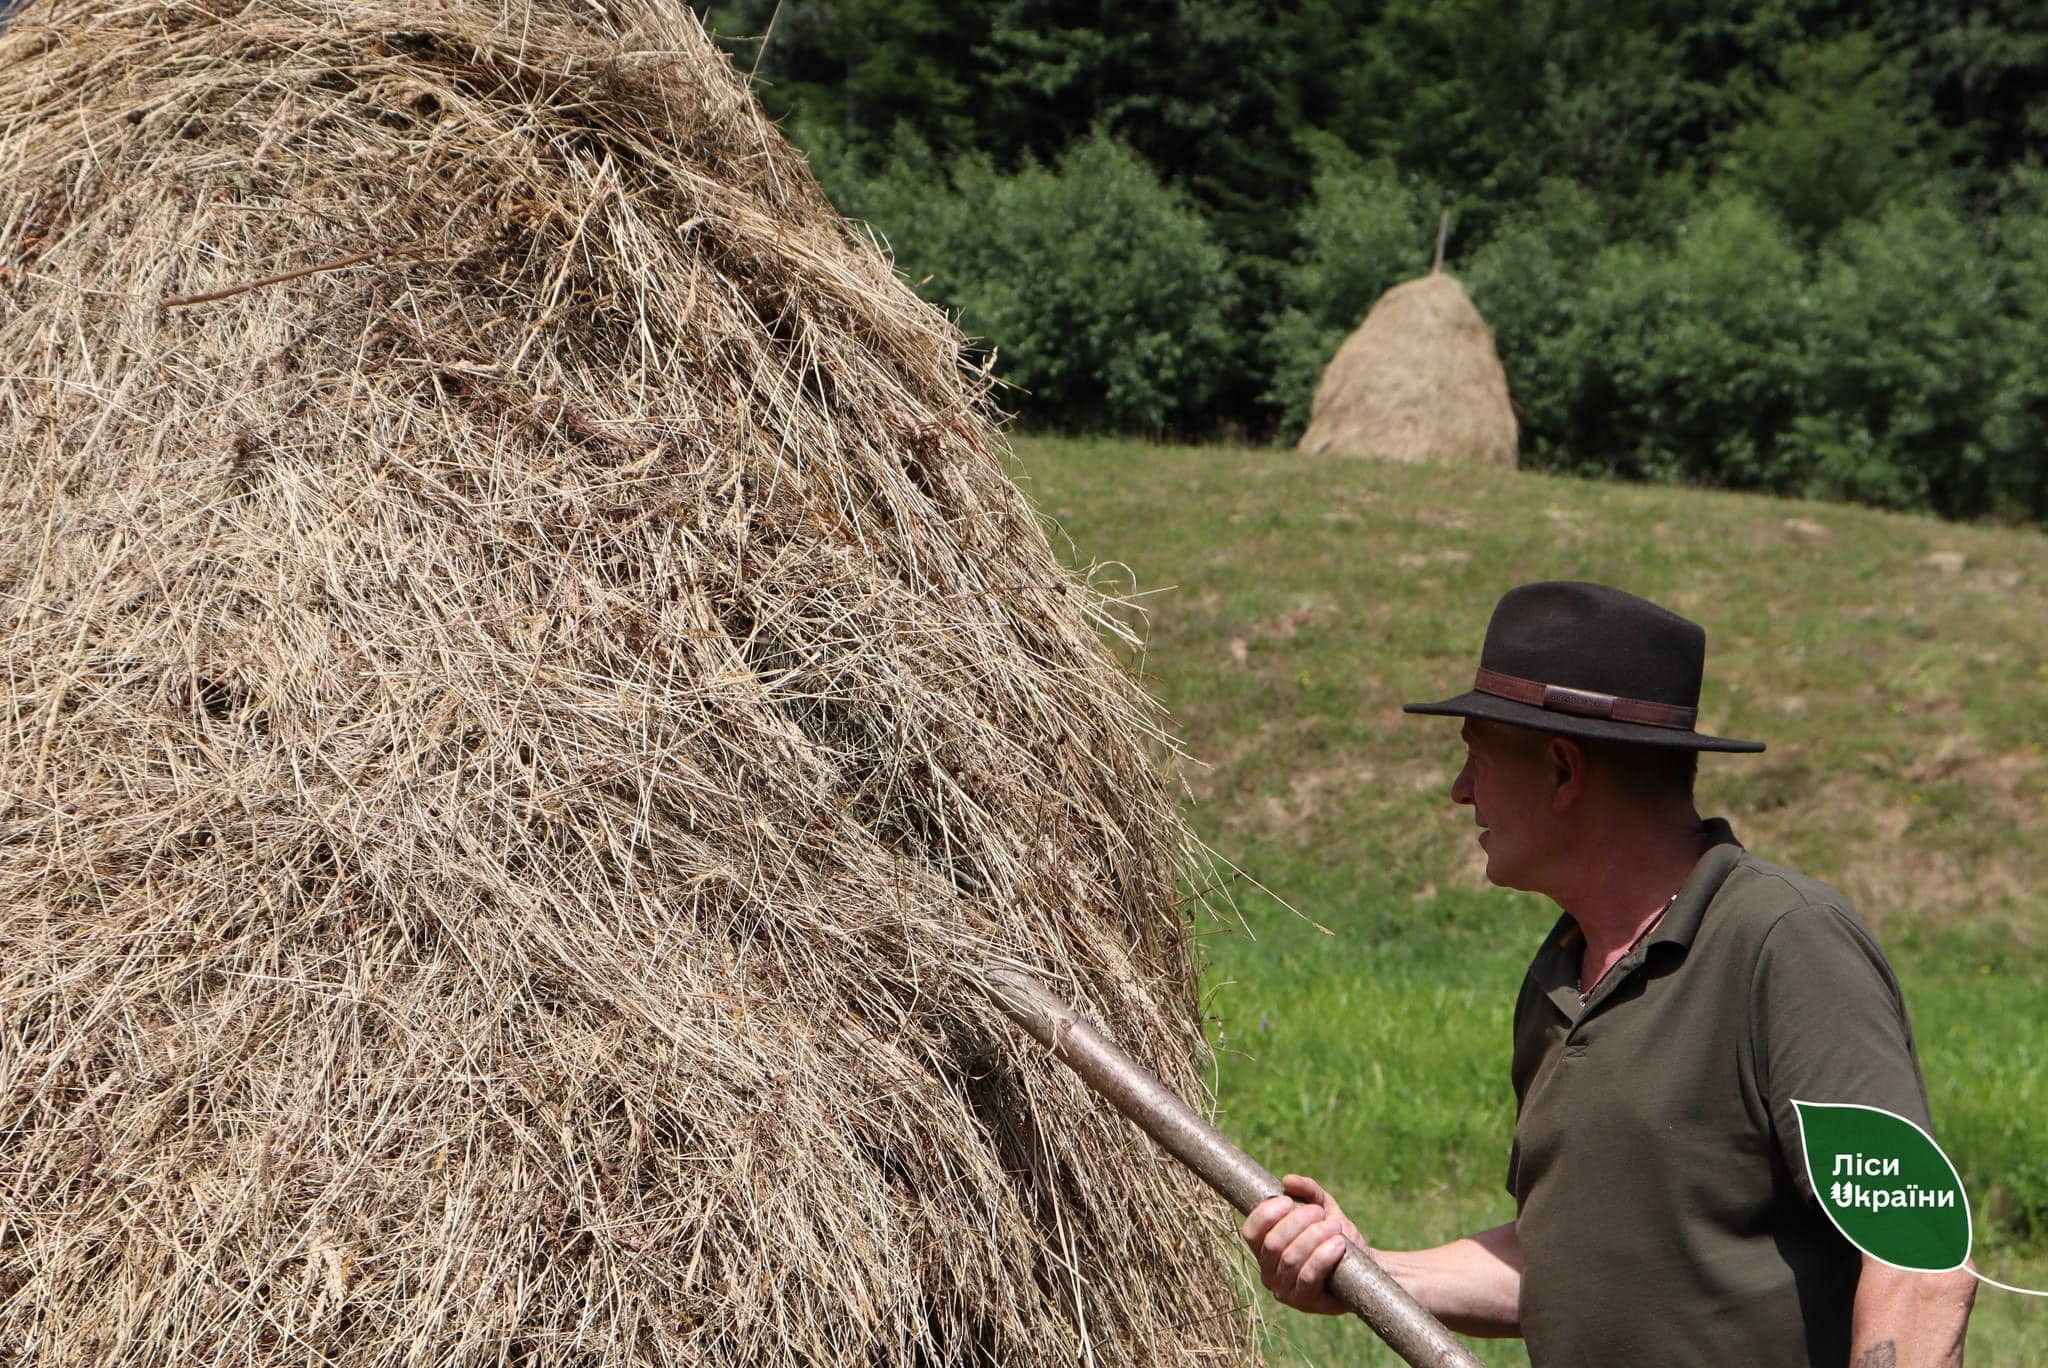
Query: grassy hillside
pixel 1896 666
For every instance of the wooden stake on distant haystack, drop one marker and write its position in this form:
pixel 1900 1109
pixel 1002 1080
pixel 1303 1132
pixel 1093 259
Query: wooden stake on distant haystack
pixel 1443 226
pixel 1358 1281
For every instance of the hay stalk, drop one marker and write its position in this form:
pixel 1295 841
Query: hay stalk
pixel 506 750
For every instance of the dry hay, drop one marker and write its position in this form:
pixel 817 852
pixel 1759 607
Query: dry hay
pixel 512 743
pixel 1418 380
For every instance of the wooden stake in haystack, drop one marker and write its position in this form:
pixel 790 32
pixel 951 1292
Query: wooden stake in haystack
pixel 1418 380
pixel 525 681
pixel 1357 1280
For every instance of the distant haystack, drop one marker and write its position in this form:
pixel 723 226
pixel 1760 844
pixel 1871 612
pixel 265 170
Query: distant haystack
pixel 1417 381
pixel 528 697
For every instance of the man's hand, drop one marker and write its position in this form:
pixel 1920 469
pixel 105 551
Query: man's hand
pixel 1298 1239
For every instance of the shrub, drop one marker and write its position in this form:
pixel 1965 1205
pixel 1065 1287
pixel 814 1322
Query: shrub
pixel 1100 291
pixel 1365 228
pixel 2016 427
pixel 1907 364
pixel 1529 283
pixel 1679 360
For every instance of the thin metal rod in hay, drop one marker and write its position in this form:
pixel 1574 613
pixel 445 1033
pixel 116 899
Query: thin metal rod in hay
pixel 1358 1281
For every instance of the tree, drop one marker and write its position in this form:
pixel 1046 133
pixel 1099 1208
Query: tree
pixel 1980 67
pixel 863 67
pixel 1834 137
pixel 1366 228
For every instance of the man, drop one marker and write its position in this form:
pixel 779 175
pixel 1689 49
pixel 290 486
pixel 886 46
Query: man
pixel 1687 995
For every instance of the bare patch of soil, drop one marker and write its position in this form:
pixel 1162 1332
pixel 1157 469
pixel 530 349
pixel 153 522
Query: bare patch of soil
pixel 1311 794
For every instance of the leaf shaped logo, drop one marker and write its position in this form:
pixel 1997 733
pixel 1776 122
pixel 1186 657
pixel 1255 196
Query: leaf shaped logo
pixel 1886 1185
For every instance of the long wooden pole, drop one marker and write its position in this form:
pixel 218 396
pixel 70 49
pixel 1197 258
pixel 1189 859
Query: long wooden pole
pixel 1357 1280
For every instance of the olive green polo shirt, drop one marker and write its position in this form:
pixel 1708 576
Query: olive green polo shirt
pixel 1663 1203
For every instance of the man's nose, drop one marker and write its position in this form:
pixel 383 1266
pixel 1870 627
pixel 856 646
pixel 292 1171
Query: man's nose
pixel 1461 787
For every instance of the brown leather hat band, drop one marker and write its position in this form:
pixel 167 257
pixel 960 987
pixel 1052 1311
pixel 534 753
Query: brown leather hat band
pixel 1584 702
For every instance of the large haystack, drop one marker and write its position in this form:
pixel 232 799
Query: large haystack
pixel 518 735
pixel 1417 381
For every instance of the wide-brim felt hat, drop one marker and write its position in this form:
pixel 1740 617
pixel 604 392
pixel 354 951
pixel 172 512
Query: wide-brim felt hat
pixel 1588 660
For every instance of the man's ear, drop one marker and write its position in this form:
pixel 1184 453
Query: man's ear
pixel 1567 761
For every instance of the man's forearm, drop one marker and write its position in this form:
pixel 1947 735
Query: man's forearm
pixel 1473 1285
pixel 1910 1320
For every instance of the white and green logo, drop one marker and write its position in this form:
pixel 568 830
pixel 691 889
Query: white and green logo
pixel 1888 1187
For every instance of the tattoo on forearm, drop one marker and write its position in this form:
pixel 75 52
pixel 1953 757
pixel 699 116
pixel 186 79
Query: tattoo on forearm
pixel 1883 1354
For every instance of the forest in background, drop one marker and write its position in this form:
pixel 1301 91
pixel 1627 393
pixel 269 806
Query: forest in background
pixel 1787 245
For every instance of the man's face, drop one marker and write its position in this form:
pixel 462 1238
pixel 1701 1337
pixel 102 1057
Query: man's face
pixel 1508 783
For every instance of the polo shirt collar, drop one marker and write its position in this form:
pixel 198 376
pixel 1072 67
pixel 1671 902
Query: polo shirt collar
pixel 1682 922
pixel 1556 968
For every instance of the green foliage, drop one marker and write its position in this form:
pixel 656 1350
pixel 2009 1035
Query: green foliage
pixel 1530 283
pixel 1897 365
pixel 1906 359
pixel 1670 361
pixel 1197 87
pixel 861 67
pixel 2016 426
pixel 1204 90
pixel 1980 68
pixel 1200 90
pixel 1835 140
pixel 1791 245
pixel 1493 100
pixel 1101 292
pixel 1365 229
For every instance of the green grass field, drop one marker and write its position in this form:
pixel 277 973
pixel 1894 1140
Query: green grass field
pixel 1360 979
